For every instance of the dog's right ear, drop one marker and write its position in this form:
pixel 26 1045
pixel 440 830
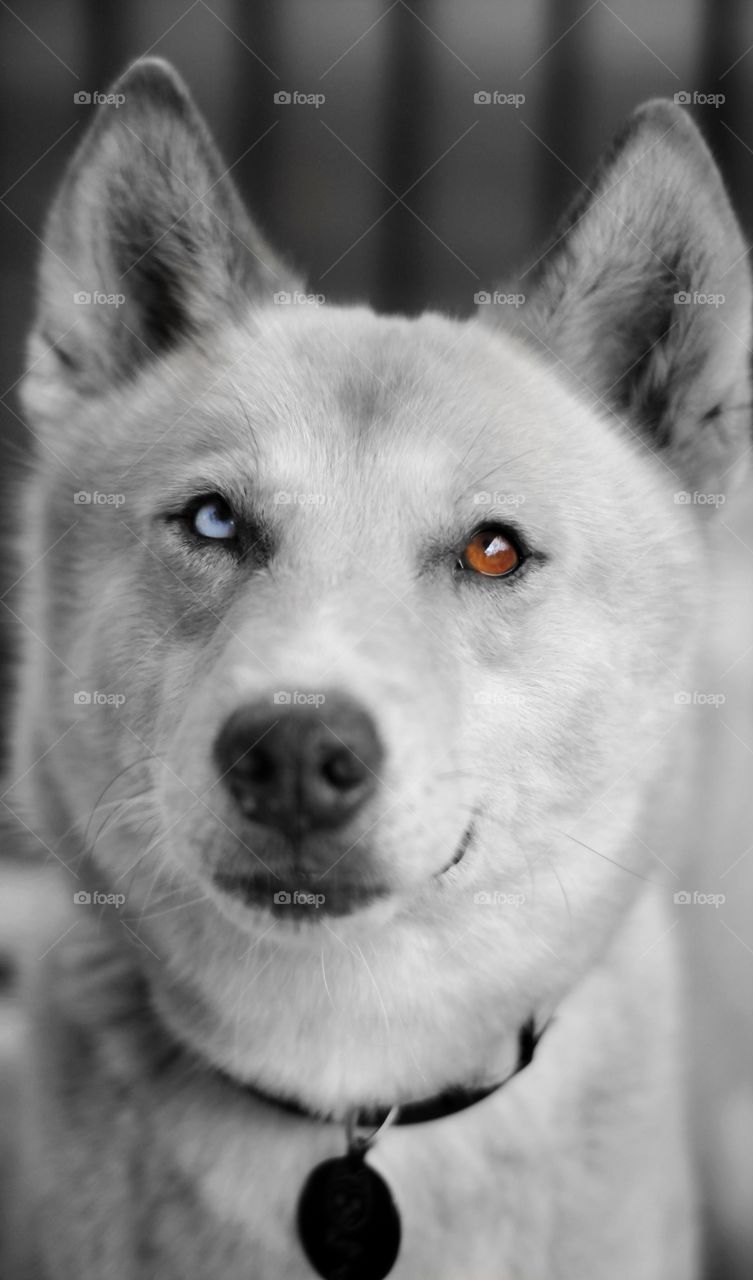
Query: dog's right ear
pixel 147 244
pixel 644 300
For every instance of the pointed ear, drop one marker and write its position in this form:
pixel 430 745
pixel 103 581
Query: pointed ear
pixel 147 243
pixel 645 298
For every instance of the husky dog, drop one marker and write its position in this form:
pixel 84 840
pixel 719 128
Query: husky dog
pixel 350 665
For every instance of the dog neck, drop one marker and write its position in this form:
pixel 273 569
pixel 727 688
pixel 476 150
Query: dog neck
pixel 155 1043
pixel 437 1107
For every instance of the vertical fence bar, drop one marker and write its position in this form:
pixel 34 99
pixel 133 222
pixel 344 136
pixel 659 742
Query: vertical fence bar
pixel 110 41
pixel 567 78
pixel 251 88
pixel 725 67
pixel 407 92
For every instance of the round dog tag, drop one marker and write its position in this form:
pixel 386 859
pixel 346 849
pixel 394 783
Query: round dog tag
pixel 347 1221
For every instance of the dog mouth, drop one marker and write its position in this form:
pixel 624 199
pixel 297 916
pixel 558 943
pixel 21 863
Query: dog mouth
pixel 301 898
pixel 461 850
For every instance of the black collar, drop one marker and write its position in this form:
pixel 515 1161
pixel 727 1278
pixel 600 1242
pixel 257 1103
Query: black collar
pixel 437 1107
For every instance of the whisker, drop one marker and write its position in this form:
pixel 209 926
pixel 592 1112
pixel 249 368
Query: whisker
pixel 628 870
pixel 121 772
pixel 324 978
pixel 177 906
pixel 118 808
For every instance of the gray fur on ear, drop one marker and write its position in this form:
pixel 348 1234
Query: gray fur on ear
pixel 147 214
pixel 644 297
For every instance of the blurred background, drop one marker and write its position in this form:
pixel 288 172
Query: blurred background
pixel 404 186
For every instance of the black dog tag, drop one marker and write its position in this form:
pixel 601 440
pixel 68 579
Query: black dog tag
pixel 347 1220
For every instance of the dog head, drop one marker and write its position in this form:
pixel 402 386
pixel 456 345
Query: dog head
pixel 357 639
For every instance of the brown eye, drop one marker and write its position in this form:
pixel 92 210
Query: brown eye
pixel 491 553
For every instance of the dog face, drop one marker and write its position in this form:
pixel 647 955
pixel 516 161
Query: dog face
pixel 385 618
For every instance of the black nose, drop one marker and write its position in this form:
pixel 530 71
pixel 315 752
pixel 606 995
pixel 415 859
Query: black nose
pixel 298 766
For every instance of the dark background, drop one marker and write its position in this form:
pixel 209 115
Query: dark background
pixel 399 78
pixel 482 187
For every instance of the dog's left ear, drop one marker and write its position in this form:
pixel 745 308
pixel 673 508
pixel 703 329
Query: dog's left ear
pixel 147 244
pixel 645 298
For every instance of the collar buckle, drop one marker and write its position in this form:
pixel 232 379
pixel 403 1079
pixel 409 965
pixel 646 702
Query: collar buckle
pixel 361 1137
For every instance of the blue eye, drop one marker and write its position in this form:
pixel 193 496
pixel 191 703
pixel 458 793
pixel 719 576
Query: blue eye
pixel 214 519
